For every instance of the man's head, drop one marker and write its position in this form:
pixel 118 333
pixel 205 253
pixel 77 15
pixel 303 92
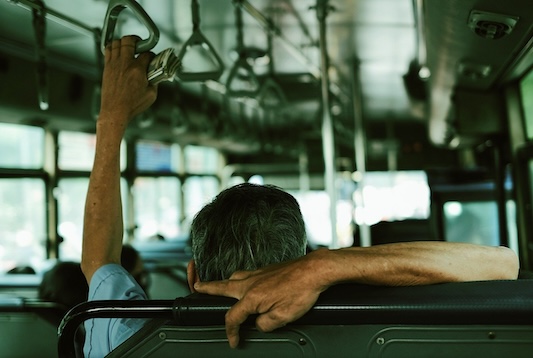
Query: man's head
pixel 246 227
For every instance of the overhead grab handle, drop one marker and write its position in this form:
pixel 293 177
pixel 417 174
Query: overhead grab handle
pixel 114 8
pixel 166 64
pixel 271 96
pixel 198 41
pixel 242 81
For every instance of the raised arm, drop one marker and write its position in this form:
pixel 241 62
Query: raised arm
pixel 125 93
pixel 282 293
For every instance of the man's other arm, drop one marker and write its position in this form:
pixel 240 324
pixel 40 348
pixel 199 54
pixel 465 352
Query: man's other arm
pixel 282 293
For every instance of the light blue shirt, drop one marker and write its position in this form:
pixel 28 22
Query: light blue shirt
pixel 111 282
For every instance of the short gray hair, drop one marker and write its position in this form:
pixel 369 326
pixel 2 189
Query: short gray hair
pixel 246 227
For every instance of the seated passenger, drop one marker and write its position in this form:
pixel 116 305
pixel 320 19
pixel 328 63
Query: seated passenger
pixel 245 228
pixel 65 284
pixel 131 260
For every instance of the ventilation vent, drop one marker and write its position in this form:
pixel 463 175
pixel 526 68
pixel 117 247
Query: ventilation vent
pixel 491 26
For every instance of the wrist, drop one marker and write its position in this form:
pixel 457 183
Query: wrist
pixel 112 123
pixel 321 269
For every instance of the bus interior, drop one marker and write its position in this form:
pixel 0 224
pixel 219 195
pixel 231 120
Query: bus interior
pixel 388 120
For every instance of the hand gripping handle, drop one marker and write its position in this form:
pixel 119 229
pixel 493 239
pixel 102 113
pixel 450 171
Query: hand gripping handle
pixel 113 10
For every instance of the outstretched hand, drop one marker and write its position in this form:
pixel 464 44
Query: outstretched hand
pixel 278 294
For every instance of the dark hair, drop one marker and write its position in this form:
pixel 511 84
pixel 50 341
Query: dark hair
pixel 129 257
pixel 246 227
pixel 65 284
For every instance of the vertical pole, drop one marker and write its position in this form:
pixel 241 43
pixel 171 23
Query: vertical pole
pixel 303 164
pixel 328 140
pixel 360 151
pixel 499 184
pixel 50 167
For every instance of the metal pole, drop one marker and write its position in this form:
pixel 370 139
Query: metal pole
pixel 360 151
pixel 328 140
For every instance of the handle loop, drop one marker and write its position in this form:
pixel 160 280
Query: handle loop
pixel 114 8
pixel 198 39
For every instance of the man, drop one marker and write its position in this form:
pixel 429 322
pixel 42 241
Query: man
pixel 278 293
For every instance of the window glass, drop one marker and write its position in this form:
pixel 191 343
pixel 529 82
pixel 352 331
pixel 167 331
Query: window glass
pixel 70 194
pixel 25 145
pixel 157 208
pixel 22 223
pixel 76 151
pixel 406 193
pixel 157 156
pixel 474 222
pixel 201 160
pixel 197 192
pixel 526 87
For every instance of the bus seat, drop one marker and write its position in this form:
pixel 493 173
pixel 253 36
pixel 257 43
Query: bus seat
pixel 489 319
pixel 25 329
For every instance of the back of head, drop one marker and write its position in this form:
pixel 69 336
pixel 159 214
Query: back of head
pixel 65 284
pixel 246 227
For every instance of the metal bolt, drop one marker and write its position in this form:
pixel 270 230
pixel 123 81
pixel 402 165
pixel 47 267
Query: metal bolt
pixel 162 335
pixel 380 341
pixel 492 335
pixel 302 342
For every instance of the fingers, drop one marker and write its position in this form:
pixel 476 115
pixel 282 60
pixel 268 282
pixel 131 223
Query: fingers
pixel 234 318
pixel 127 46
pixel 124 47
pixel 225 288
pixel 269 321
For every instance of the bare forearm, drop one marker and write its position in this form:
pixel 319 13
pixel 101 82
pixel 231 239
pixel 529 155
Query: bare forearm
pixel 103 225
pixel 419 263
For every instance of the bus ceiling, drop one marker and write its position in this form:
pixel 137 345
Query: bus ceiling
pixel 437 63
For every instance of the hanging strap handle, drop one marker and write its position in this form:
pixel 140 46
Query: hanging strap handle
pixel 113 10
pixel 270 87
pixel 198 39
pixel 241 68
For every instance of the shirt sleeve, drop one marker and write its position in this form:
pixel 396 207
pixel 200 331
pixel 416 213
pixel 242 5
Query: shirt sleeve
pixel 111 282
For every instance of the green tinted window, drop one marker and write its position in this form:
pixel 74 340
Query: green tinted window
pixel 22 223
pixel 25 145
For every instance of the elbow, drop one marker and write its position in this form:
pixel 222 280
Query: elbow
pixel 508 263
pixel 87 270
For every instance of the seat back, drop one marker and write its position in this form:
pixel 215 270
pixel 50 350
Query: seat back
pixel 489 319
pixel 25 327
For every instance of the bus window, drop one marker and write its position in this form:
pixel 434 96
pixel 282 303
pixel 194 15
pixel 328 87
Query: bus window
pixel 157 207
pixel 22 223
pixel 22 197
pixel 76 151
pixel 152 156
pixel 24 144
pixel 201 160
pixel 198 191
pixel 471 222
